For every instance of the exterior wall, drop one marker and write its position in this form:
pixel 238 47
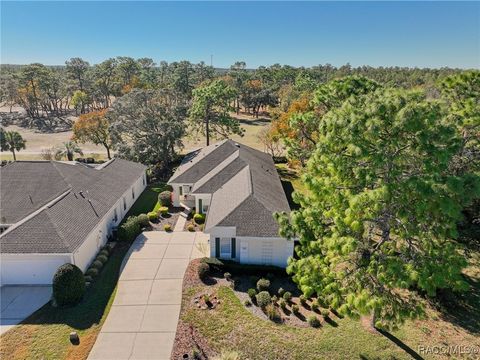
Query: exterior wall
pixel 30 269
pixel 205 201
pixel 177 198
pixel 39 268
pixel 260 251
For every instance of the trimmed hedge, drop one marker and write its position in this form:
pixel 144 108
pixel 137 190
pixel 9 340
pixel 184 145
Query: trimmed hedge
pixel 104 252
pixel 129 230
pixel 68 285
pixel 165 198
pixel 102 258
pixel 199 218
pixel 97 264
pixel 92 272
pixel 143 220
pixel 244 269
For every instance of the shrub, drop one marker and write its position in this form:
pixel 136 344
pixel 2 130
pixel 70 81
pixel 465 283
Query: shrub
pixel 104 252
pixel 325 312
pixel 252 293
pixel 281 291
pixel 152 216
pixel 272 312
pixel 88 278
pixel 283 304
pixel 295 309
pixel 313 321
pixel 191 227
pixel 68 285
pixel 314 306
pixel 129 230
pixel 263 299
pixel 143 220
pixel 163 210
pixel 227 276
pixel 203 270
pixel 247 302
pixel 303 300
pixel 167 227
pixel 165 198
pixel 263 284
pixel 92 272
pixel 199 218
pixel 87 284
pixel 102 258
pixel 287 296
pixel 274 299
pixel 97 265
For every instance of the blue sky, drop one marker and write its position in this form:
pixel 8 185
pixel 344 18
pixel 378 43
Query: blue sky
pixel 428 34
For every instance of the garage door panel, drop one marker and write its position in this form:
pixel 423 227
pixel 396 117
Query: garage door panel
pixel 29 272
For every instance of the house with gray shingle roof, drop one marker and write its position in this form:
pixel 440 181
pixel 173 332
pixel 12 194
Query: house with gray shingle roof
pixel 54 212
pixel 239 190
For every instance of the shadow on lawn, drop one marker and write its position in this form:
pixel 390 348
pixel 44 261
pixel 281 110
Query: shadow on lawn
pixel 400 344
pixel 91 309
pixel 255 122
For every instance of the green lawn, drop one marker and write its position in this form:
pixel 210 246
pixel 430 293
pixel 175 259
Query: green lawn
pixel 148 200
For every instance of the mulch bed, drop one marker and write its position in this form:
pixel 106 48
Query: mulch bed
pixel 171 219
pixel 187 338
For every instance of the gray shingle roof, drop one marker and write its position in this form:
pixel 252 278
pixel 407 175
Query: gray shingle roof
pixel 62 226
pixel 245 193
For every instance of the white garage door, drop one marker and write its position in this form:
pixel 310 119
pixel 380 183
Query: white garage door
pixel 29 272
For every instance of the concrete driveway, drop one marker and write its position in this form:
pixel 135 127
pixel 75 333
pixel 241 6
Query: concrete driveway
pixel 18 302
pixel 143 319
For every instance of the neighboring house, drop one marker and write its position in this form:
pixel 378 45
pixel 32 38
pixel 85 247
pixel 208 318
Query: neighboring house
pixel 54 212
pixel 238 188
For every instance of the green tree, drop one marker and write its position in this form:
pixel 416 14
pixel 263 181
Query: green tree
pixel 93 127
pixel 69 149
pixel 79 100
pixel 77 70
pixel 147 126
pixel 377 222
pixel 210 111
pixel 11 141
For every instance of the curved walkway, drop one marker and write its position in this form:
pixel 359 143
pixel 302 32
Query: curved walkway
pixel 143 319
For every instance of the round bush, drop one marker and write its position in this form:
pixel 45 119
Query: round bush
pixel 191 227
pixel 314 306
pixel 68 285
pixel 167 227
pixel 199 218
pixel 129 230
pixel 313 321
pixel 325 312
pixel 227 276
pixel 252 293
pixel 88 278
pixel 263 284
pixel 92 272
pixel 97 265
pixel 287 296
pixel 263 299
pixel 274 299
pixel 143 220
pixel 281 291
pixel 102 258
pixel 203 270
pixel 104 252
pixel 165 198
pixel 303 300
pixel 152 216
pixel 163 210
pixel 283 304
pixel 87 284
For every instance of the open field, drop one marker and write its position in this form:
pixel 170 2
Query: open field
pixel 37 141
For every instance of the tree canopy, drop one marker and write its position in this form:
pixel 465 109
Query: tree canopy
pixel 11 141
pixel 93 127
pixel 380 211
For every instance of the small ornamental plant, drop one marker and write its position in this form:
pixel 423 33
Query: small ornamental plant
pixel 295 309
pixel 263 284
pixel 313 321
pixel 281 291
pixel 272 312
pixel 152 216
pixel 314 306
pixel 203 270
pixel 303 300
pixel 163 210
pixel 227 276
pixel 191 227
pixel 325 313
pixel 167 227
pixel 283 304
pixel 252 293
pixel 263 299
pixel 287 296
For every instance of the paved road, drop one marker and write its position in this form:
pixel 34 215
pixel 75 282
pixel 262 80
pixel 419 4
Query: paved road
pixel 18 302
pixel 143 319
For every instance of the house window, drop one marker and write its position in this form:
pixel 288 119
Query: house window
pixel 180 189
pixel 200 207
pixel 225 247
pixel 143 179
pixel 115 215
pixel 133 193
pixel 124 204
